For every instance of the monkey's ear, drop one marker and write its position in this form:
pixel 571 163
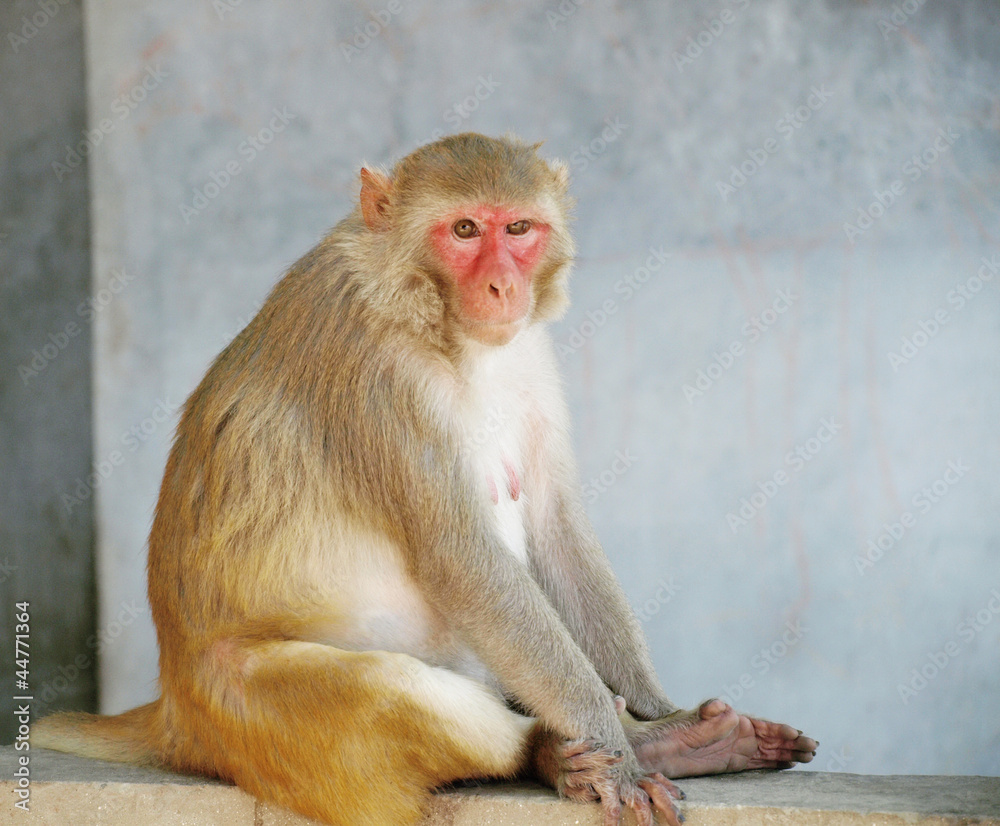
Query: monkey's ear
pixel 561 173
pixel 376 191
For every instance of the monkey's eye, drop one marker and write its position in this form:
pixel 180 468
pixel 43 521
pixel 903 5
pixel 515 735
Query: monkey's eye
pixel 465 228
pixel 518 227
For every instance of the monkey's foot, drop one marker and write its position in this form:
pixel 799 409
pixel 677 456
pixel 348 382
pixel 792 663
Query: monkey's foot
pixel 714 739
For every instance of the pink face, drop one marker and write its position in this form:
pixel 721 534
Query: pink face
pixel 491 253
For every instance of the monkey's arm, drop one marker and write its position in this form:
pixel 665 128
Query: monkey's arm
pixel 576 575
pixel 426 494
pixel 512 627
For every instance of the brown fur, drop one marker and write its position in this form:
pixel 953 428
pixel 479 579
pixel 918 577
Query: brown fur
pixel 336 408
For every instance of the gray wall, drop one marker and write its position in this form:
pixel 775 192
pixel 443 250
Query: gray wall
pixel 46 547
pixel 833 102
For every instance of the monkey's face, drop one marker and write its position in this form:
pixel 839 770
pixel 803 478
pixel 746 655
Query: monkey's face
pixel 489 256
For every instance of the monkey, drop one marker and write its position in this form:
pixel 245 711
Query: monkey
pixel 370 569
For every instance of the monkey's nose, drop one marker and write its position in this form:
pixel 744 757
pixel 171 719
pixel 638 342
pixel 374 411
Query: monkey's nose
pixel 502 287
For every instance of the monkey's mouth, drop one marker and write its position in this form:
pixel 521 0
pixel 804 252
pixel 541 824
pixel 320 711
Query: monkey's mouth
pixel 495 332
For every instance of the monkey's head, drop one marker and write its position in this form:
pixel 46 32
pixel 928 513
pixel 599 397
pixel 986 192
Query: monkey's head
pixel 486 220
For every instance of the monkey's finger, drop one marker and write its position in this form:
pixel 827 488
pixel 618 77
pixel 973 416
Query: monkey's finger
pixel 577 747
pixel 612 807
pixel 581 794
pixel 803 743
pixel 593 761
pixel 660 795
pixel 759 763
pixel 586 756
pixel 583 780
pixel 777 733
pixel 784 754
pixel 672 789
pixel 781 742
pixel 642 808
pixel 579 786
pixel 782 730
pixel 713 708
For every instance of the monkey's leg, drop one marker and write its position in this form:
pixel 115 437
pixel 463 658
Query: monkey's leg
pixel 714 739
pixel 350 737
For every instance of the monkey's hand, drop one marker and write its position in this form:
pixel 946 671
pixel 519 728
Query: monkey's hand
pixel 586 771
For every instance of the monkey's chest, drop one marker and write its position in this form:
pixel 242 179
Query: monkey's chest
pixel 506 503
pixel 495 447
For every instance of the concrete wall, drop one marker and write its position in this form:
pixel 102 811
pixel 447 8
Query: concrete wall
pixel 46 547
pixel 828 108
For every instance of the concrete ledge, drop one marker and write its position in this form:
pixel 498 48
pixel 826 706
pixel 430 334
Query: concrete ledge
pixel 72 791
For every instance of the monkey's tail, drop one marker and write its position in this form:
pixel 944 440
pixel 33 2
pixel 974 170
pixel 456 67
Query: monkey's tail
pixel 124 738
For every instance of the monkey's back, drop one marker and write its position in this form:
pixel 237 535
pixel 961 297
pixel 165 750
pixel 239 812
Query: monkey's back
pixel 257 452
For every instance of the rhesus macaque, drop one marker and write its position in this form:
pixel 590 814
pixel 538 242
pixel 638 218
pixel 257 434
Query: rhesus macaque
pixel 370 562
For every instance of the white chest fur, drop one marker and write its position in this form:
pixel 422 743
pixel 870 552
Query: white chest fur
pixel 495 409
pixel 507 403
